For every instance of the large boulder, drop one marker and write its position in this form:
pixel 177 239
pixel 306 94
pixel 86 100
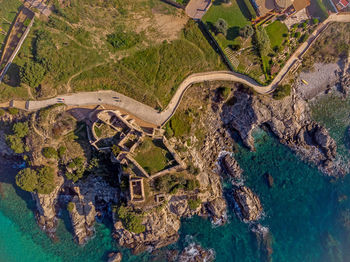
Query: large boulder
pixel 248 203
pixel 217 210
pixel 115 257
pixel 231 167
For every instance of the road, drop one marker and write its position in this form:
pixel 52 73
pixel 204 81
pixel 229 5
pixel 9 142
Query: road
pixel 150 115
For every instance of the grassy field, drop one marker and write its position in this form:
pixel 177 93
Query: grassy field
pixel 236 15
pixel 74 50
pixel 152 156
pixel 277 32
pixel 8 11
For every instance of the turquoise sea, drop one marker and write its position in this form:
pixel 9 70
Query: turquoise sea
pixel 308 214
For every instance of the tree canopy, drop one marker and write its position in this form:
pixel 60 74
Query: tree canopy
pixel 41 181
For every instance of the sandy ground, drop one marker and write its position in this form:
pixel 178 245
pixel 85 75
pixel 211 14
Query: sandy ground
pixel 319 80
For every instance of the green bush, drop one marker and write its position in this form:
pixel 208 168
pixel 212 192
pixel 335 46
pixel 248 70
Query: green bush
pixel 303 38
pixel 61 151
pixel 49 152
pixel 21 129
pixel 2 112
pixel 41 181
pixel 78 169
pixel 121 40
pixel 131 221
pixel 13 110
pixel 115 150
pixel 297 34
pixel 282 91
pixel 32 73
pixel 191 184
pixel 221 26
pixel 246 31
pixel 70 207
pixel 193 204
pixel 15 143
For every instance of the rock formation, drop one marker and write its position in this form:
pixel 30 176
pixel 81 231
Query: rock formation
pixel 289 120
pixel 217 209
pixel 231 167
pixel 115 257
pixel 46 214
pixel 248 203
pixel 269 180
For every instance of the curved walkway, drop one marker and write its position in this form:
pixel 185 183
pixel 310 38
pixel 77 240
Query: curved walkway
pixel 148 114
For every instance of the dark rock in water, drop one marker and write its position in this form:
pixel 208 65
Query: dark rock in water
pixel 248 203
pixel 172 255
pixel 195 253
pixel 264 240
pixel 269 180
pixel 231 167
pixel 217 209
pixel 115 257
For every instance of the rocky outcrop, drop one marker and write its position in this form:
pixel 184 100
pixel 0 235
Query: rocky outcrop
pixel 248 203
pixel 232 168
pixel 115 257
pixel 195 253
pixel 289 120
pixel 161 230
pixel 46 214
pixel 217 210
pixel 264 242
pixel 82 213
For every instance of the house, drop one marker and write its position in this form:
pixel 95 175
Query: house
pixel 341 4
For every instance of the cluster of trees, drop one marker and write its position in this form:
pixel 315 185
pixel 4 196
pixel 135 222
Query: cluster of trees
pixel 76 169
pixel 262 41
pixel 131 220
pixel 16 140
pixel 41 181
pixel 193 204
pixel 172 183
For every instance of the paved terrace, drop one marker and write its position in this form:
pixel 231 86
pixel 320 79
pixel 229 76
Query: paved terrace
pixel 152 116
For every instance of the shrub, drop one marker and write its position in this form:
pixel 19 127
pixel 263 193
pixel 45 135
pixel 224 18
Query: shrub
pixel 246 31
pixel 61 151
pixel 115 150
pixel 78 169
pixel 121 40
pixel 282 91
pixel 297 34
pixel 315 21
pixel 2 112
pixel 32 73
pixel 42 182
pixel 193 204
pixel 15 143
pixel 49 152
pixel 131 221
pixel 70 207
pixel 21 129
pixel 303 38
pixel 191 184
pixel 221 26
pixel 13 111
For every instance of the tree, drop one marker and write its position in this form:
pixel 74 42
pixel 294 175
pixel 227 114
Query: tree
pixel 32 73
pixel 131 221
pixel 246 31
pixel 61 151
pixel 41 181
pixel 115 150
pixel 221 26
pixel 27 179
pixel 193 204
pixel 21 129
pixel 282 91
pixel 262 41
pixel 49 152
pixel 15 143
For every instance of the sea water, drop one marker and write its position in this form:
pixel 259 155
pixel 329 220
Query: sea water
pixel 304 210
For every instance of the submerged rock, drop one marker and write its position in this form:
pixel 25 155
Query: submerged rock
pixel 115 257
pixel 248 203
pixel 195 253
pixel 264 241
pixel 269 180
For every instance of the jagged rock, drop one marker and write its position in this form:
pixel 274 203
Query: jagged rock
pixel 217 209
pixel 115 257
pixel 46 208
pixel 82 217
pixel 264 241
pixel 161 230
pixel 231 167
pixel 195 253
pixel 289 120
pixel 269 180
pixel 248 203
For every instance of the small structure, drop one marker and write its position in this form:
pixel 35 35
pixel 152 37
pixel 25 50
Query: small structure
pixel 341 4
pixel 136 189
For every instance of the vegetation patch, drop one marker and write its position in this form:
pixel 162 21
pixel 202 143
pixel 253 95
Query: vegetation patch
pixel 153 156
pixel 282 91
pixel 172 183
pixel 131 220
pixel 41 181
pixel 277 32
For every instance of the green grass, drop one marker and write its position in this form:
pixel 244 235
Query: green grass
pixel 152 75
pixel 152 156
pixel 8 11
pixel 236 15
pixel 275 31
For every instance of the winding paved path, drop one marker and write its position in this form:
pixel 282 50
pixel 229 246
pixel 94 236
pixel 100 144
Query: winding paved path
pixel 148 114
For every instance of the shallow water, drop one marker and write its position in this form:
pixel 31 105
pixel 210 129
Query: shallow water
pixel 302 211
